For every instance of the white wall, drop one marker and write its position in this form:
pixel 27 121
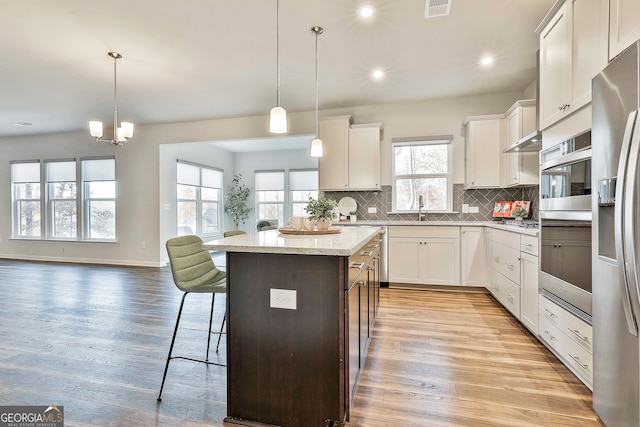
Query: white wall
pixel 138 167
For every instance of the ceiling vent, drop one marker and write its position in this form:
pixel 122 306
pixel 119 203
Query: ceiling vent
pixel 436 8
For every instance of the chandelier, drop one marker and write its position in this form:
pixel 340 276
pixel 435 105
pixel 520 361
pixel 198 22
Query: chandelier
pixel 122 133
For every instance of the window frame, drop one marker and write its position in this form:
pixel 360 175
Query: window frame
pixel 280 203
pixel 443 140
pixel 86 199
pixel 200 202
pixel 16 218
pixel 51 200
pixel 291 202
pixel 47 202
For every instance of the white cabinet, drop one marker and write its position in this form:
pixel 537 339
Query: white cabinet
pixel 364 157
pixel 624 25
pixel 483 139
pixel 514 275
pixel 424 255
pixel 488 258
pixel 520 168
pixel 529 282
pixel 351 159
pixel 472 257
pixel 570 338
pixel 333 166
pixel 572 51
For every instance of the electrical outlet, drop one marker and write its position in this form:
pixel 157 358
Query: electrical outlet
pixel 143 244
pixel 372 210
pixel 283 298
pixel 473 209
pixel 465 208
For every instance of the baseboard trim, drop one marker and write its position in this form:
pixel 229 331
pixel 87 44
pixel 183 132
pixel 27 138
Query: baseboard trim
pixel 441 288
pixel 126 263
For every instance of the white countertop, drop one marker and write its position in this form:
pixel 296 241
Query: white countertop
pixel 492 224
pixel 345 243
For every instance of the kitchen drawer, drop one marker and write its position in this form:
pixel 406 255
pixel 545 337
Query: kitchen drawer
pixel 506 260
pixel 550 334
pixel 426 231
pixel 573 355
pixel 507 293
pixel 506 238
pixel 529 244
pixel 575 328
pixel 579 359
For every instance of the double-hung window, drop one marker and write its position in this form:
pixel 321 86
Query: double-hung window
pixel 99 198
pixel 422 167
pixel 64 199
pixel 303 183
pixel 199 195
pixel 26 196
pixel 62 207
pixel 269 187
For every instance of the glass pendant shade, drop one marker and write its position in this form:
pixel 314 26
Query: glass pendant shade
pixel 95 129
pixel 278 120
pixel 127 130
pixel 316 148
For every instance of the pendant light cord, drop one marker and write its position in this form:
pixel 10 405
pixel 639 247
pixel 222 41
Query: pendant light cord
pixel 278 52
pixel 316 33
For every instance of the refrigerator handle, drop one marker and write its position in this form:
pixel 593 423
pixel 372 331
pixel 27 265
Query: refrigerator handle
pixel 630 216
pixel 619 212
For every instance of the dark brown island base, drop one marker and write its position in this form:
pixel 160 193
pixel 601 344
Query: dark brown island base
pixel 300 311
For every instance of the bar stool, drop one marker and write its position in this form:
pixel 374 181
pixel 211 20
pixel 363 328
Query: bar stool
pixel 193 271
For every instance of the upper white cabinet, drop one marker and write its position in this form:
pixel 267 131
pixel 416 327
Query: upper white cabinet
pixel 520 168
pixel 572 51
pixel 624 25
pixel 351 159
pixel 484 136
pixel 364 157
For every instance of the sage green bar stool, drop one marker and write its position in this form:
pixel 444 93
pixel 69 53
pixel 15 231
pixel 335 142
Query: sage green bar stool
pixel 193 271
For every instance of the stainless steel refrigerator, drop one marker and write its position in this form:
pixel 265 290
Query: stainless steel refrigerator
pixel 616 296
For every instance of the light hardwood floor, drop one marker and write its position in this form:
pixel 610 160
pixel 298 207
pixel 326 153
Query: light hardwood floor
pixel 94 339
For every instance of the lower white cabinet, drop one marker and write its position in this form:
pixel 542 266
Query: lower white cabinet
pixel 472 257
pixel 569 337
pixel 424 255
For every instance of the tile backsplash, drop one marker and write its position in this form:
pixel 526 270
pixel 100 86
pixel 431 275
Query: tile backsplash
pixel 483 199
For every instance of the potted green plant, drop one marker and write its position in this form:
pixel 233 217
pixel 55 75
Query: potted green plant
pixel 321 211
pixel 235 201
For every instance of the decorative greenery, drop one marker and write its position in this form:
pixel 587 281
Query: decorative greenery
pixel 235 201
pixel 321 208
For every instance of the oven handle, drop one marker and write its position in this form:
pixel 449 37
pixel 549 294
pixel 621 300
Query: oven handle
pixel 619 213
pixel 567 159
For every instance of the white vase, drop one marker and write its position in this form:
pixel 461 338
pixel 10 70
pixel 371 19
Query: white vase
pixel 323 224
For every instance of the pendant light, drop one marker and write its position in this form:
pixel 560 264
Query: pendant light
pixel 316 144
pixel 278 115
pixel 123 133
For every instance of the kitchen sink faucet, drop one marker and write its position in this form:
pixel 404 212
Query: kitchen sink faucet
pixel 420 206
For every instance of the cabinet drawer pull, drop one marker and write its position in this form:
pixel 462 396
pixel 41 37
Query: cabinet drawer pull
pixel 361 283
pixel 509 297
pixel 527 244
pixel 549 313
pixel 577 360
pixel 371 268
pixel 496 258
pixel 374 245
pixel 366 253
pixel 357 265
pixel 508 264
pixel 577 333
pixel 551 337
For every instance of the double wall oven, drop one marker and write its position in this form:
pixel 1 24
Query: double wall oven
pixel 565 224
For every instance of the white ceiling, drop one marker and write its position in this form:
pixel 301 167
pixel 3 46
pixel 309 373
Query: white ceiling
pixel 202 59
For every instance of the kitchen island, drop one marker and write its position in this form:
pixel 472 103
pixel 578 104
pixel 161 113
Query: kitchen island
pixel 300 311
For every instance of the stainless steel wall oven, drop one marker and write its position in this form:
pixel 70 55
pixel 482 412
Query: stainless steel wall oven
pixel 565 224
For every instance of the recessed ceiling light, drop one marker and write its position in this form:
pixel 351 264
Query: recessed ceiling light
pixel 377 74
pixel 366 11
pixel 486 61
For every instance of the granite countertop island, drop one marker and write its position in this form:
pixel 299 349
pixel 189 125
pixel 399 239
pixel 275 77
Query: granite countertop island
pixel 299 312
pixel 345 243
